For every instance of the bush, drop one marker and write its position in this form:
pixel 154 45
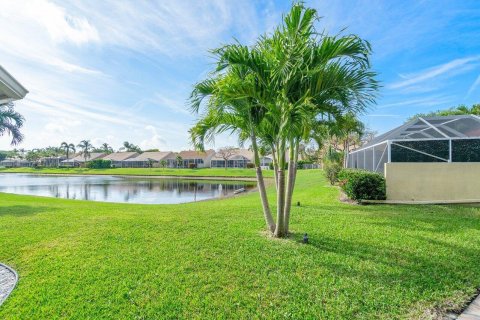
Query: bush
pixel 302 163
pixel 331 169
pixel 362 185
pixel 250 165
pixel 192 165
pixel 99 164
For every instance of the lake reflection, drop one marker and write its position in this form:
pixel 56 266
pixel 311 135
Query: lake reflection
pixel 119 189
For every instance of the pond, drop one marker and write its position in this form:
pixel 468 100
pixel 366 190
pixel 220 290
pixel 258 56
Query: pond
pixel 120 189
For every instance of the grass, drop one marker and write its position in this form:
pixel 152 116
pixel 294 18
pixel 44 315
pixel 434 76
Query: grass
pixel 205 172
pixel 211 260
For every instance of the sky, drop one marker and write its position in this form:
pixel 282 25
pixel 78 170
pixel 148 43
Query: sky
pixel 113 71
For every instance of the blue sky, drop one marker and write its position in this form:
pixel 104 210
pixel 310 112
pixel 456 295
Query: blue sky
pixel 111 71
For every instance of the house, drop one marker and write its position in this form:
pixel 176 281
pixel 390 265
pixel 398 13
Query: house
pixel 196 159
pixel 10 88
pixel 239 159
pixel 426 159
pixel 52 162
pixel 79 159
pixel 147 159
pixel 15 163
pixel 118 158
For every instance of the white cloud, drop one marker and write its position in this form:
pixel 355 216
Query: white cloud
pixel 433 72
pixel 426 101
pixel 60 25
pixel 155 141
pixel 34 31
pixel 172 27
pixel 474 86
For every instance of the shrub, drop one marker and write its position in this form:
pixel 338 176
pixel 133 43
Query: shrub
pixel 362 185
pixel 99 164
pixel 302 163
pixel 250 165
pixel 331 169
pixel 192 165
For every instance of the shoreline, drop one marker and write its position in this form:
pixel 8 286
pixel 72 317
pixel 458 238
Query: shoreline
pixel 143 176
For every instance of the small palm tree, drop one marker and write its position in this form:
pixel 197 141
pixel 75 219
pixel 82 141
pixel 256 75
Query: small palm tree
pixel 67 147
pixel 106 148
pixel 179 160
pixel 163 163
pixel 86 147
pixel 11 122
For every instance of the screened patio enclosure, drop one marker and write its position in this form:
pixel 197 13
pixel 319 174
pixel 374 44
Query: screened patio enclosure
pixel 431 139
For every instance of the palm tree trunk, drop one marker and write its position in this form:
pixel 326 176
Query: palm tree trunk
pixel 345 156
pixel 261 186
pixel 292 173
pixel 275 166
pixel 280 230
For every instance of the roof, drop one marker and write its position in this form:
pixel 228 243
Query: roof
pixel 120 156
pixel 191 154
pixel 428 128
pixel 155 156
pixel 10 88
pixel 80 158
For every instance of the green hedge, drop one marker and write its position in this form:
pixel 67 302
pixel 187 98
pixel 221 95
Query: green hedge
pixel 362 185
pixel 99 164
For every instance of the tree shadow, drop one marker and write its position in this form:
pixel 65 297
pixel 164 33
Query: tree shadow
pixel 23 210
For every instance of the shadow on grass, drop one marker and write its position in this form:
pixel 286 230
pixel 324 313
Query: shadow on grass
pixel 422 255
pixel 22 210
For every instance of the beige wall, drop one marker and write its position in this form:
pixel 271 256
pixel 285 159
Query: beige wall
pixel 433 181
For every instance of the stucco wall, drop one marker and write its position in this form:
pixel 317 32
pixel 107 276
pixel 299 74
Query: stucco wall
pixel 433 181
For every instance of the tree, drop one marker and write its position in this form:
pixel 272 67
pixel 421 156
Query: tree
pixel 130 147
pixel 225 153
pixel 163 163
pixel 67 147
pixel 179 161
pixel 85 147
pixel 106 148
pixel 274 92
pixel 11 122
pixel 458 110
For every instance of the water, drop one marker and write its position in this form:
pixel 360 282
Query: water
pixel 120 189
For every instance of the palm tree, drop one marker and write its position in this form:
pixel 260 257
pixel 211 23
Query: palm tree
pixel 283 84
pixel 106 148
pixel 179 161
pixel 67 147
pixel 130 147
pixel 227 113
pixel 86 148
pixel 11 122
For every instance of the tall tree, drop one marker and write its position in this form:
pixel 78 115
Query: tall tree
pixel 274 92
pixel 85 149
pixel 67 147
pixel 11 122
pixel 130 147
pixel 106 148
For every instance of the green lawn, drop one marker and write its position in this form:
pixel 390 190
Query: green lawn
pixel 211 260
pixel 206 172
